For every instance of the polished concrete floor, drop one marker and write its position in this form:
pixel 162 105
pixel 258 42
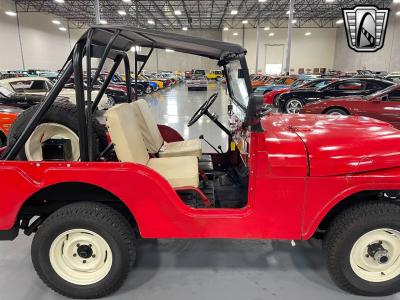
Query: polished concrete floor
pixel 194 269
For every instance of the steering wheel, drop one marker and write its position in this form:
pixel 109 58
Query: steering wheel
pixel 203 109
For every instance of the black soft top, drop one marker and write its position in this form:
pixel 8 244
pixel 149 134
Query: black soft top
pixel 132 36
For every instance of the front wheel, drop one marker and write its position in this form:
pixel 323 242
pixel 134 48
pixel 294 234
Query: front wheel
pixel 336 111
pixel 84 250
pixel 293 106
pixel 363 249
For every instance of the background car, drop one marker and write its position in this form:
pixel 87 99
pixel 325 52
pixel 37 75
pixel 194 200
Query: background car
pixel 383 105
pixel 293 101
pixel 197 82
pixel 215 75
pixel 8 114
pixel 271 97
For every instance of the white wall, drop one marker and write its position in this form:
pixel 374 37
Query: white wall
pixel 314 51
pixel 44 46
pixel 386 59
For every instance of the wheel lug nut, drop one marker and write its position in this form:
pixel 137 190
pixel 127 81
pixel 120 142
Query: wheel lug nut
pixel 380 242
pixel 78 245
pixel 84 261
pixel 74 255
pixel 94 255
pixel 366 255
pixel 383 274
pixel 90 245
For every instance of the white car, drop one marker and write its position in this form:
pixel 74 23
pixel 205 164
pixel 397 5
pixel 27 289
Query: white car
pixel 42 85
pixel 198 82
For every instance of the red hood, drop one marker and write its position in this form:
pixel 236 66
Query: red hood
pixel 338 145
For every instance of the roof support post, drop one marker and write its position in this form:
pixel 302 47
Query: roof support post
pixel 257 44
pixel 89 93
pixel 289 44
pixel 117 62
pixel 80 101
pixel 97 11
pixel 128 80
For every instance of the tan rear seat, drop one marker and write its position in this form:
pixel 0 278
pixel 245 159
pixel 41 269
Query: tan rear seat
pixel 130 147
pixel 153 139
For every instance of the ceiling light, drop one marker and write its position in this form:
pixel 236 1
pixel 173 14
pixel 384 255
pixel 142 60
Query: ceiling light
pixel 226 28
pixel 294 21
pixel 288 12
pixel 150 22
pixel 59 1
pixel 11 13
pixel 398 13
pixel 234 12
pixel 307 33
pixel 56 22
pixel 267 28
pixel 127 1
pixel 262 1
pixel 62 28
pixel 135 49
pixel 235 33
pixel 329 1
pixel 103 22
pixel 339 21
pixel 184 28
pixel 122 12
pixel 271 34
pixel 177 12
pixel 169 50
pixel 396 1
pixel 245 21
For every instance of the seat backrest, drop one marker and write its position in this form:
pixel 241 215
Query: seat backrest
pixel 148 125
pixel 126 135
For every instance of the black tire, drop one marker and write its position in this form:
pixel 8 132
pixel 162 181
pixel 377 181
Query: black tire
pixel 336 111
pixel 64 113
pixel 291 100
pixel 100 219
pixel 345 231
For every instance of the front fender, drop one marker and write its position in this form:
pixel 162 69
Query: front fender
pixel 325 193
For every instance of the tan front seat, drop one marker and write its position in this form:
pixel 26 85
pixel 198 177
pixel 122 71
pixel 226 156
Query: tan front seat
pixel 130 147
pixel 153 139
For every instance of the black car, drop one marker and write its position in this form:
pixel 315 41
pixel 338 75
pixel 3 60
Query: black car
pixel 293 101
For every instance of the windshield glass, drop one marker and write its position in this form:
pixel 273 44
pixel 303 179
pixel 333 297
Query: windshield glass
pixel 4 92
pixel 237 85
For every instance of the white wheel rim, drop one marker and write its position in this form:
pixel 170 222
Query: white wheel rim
pixel 335 113
pixel 294 106
pixel 71 266
pixel 368 268
pixel 45 131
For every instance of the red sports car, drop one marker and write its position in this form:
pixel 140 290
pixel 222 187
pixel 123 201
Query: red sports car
pixel 8 114
pixel 272 96
pixel 383 105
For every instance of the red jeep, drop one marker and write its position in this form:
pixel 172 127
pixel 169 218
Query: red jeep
pixel 290 177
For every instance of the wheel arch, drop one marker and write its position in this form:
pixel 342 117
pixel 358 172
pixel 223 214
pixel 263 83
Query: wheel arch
pixel 337 107
pixel 351 201
pixel 47 200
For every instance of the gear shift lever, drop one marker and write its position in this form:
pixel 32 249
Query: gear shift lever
pixel 201 137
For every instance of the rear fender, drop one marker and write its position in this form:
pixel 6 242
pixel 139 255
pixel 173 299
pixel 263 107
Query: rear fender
pixel 146 194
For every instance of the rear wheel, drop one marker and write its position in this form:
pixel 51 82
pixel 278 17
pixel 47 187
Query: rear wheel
pixel 84 250
pixel 293 106
pixel 336 111
pixel 363 249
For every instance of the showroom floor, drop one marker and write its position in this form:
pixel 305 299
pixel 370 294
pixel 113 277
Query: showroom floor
pixel 194 269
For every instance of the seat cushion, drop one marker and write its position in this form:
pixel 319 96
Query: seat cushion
pixel 179 171
pixel 148 125
pixel 183 148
